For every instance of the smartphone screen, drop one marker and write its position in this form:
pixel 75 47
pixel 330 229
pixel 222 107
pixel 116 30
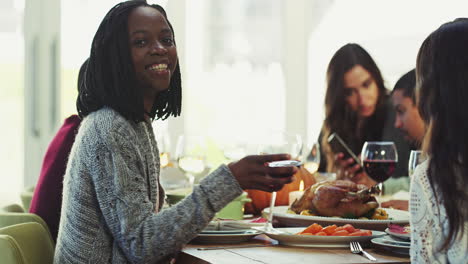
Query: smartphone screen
pixel 285 163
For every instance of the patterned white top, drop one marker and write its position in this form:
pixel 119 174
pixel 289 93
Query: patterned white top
pixel 429 225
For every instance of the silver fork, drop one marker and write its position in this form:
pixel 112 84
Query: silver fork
pixel 357 249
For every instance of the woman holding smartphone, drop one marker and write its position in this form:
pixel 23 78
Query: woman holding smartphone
pixel 358 109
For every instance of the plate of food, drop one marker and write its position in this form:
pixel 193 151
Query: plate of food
pixel 338 202
pixel 317 236
pixel 225 238
pixel 398 231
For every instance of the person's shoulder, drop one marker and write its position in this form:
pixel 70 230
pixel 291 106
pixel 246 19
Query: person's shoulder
pixel 70 125
pixel 106 125
pixel 420 173
pixel 72 120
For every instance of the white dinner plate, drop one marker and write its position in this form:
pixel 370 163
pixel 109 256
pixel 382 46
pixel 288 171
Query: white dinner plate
pixel 404 236
pixel 280 214
pixel 223 238
pixel 291 239
pixel 394 245
pixel 223 232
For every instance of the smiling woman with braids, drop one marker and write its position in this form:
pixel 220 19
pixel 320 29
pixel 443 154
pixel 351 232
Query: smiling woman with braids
pixel 112 199
pixel 439 194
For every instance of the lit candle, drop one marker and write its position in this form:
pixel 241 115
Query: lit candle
pixel 296 194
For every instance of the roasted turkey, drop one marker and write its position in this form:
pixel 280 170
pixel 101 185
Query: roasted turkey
pixel 337 198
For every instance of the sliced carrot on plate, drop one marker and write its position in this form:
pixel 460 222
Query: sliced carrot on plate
pixel 314 228
pixel 329 229
pixel 340 233
pixel 339 228
pixel 360 233
pixel 349 228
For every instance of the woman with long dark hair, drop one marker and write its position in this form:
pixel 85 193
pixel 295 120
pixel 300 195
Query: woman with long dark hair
pixel 439 196
pixel 112 199
pixel 358 109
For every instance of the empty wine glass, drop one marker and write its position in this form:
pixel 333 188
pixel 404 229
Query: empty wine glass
pixel 164 147
pixel 281 142
pixel 379 160
pixel 311 157
pixel 233 151
pixel 191 156
pixel 416 157
pixel 275 143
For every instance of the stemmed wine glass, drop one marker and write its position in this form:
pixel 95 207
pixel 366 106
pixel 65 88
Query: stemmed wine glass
pixel 379 159
pixel 164 147
pixel 311 157
pixel 191 156
pixel 416 157
pixel 280 142
pixel 233 151
pixel 170 176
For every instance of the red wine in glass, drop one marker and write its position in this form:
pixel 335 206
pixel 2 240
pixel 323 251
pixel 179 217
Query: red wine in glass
pixel 379 160
pixel 379 170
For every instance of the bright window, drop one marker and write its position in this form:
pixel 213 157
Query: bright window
pixel 11 100
pixel 234 73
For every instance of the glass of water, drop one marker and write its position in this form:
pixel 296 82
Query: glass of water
pixel 416 157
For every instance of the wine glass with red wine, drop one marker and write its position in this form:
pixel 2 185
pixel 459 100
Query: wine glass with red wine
pixel 379 160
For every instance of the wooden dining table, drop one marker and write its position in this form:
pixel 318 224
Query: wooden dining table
pixel 262 249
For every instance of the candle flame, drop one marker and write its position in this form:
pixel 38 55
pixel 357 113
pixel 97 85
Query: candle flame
pixel 301 185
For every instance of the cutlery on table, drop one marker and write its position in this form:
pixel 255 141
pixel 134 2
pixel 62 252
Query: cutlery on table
pixel 357 249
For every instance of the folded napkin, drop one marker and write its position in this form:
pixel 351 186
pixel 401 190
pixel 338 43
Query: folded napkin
pixel 229 224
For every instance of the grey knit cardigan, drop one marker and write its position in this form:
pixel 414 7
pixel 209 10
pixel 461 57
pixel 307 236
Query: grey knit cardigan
pixel 111 211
